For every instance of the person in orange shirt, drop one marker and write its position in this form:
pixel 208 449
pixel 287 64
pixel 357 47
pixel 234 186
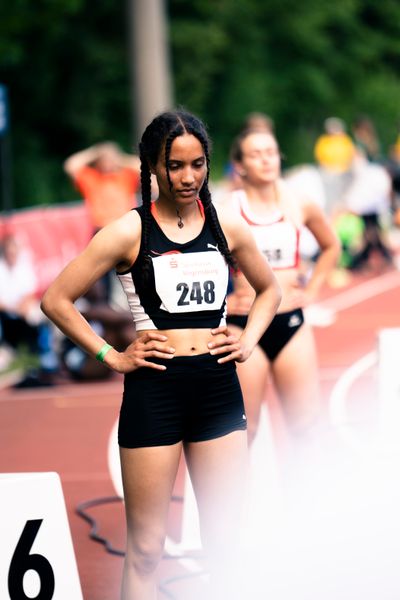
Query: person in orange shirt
pixel 108 180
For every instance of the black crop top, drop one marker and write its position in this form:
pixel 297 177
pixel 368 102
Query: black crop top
pixel 187 284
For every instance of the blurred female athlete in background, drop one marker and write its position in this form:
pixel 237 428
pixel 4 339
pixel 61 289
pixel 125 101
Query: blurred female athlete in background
pixel 276 216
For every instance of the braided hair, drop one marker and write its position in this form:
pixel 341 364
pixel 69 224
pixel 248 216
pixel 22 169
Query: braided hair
pixel 161 132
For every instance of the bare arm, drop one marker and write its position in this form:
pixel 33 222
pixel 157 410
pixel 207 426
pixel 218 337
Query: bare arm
pixel 260 276
pixel 318 224
pixel 81 159
pixel 101 255
pixel 86 157
pixel 130 161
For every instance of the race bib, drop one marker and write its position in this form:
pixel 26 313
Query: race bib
pixel 191 282
pixel 279 243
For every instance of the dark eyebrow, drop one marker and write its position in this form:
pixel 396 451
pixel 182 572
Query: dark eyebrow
pixel 180 162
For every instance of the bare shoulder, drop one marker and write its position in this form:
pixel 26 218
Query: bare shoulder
pixel 120 239
pixel 316 220
pixel 124 229
pixel 302 208
pixel 130 224
pixel 309 208
pixel 298 198
pixel 228 218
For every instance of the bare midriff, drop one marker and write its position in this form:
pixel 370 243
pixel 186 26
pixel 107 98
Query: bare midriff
pixel 187 342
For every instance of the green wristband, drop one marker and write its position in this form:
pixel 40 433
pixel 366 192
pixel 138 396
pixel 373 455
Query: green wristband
pixel 102 352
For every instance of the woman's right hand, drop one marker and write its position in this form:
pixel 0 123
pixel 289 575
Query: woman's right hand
pixel 145 346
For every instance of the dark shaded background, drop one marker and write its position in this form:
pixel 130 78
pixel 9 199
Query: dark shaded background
pixel 66 68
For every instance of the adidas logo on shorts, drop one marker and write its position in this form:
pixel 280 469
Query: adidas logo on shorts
pixel 294 321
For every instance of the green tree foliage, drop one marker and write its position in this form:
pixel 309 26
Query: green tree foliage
pixel 297 61
pixel 65 63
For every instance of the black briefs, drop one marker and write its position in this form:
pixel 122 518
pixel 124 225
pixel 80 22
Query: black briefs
pixel 281 329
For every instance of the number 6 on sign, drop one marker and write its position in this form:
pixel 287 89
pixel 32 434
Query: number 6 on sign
pixel 22 561
pixel 37 560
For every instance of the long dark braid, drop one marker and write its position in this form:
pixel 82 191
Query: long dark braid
pixel 162 131
pixel 145 181
pixel 209 209
pixel 149 151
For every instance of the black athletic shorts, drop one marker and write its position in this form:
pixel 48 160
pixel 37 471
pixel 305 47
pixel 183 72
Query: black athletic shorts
pixel 194 400
pixel 281 329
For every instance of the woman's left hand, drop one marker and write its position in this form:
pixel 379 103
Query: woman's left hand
pixel 231 345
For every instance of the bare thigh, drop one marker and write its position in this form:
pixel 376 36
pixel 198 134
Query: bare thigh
pixel 295 376
pixel 148 476
pixel 253 377
pixel 218 469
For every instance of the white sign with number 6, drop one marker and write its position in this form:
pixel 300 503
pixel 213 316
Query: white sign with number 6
pixel 37 559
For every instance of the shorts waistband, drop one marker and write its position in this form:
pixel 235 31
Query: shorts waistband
pixel 198 360
pixel 183 365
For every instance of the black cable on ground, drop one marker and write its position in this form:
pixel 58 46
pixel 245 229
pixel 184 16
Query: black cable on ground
pixel 81 510
pixel 93 533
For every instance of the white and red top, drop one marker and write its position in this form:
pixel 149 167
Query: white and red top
pixel 277 237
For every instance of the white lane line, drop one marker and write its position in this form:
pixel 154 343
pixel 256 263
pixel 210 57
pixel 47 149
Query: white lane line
pixel 338 399
pixel 339 394
pixel 323 313
pixel 363 291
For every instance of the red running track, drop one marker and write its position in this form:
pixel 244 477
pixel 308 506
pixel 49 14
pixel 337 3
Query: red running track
pixel 66 428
